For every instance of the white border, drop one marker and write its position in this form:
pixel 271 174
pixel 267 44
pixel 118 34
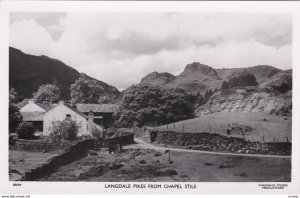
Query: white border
pixel 155 6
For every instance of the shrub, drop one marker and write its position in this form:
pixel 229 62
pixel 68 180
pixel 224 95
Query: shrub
pixel 25 130
pixel 12 139
pixel 96 130
pixel 66 129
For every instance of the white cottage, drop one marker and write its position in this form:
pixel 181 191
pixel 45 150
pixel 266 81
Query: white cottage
pixel 33 106
pixel 62 111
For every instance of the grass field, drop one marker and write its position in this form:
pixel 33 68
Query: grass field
pixel 22 161
pixel 150 166
pixel 261 124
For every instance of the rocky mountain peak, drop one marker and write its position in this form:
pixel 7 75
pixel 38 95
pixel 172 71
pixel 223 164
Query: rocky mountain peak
pixel 199 68
pixel 157 78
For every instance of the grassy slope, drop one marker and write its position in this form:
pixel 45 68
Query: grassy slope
pixel 275 126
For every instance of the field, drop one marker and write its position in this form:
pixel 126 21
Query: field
pixel 136 164
pixel 258 125
pixel 22 161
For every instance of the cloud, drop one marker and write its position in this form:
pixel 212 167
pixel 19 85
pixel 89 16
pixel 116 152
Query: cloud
pixel 121 48
pixel 30 37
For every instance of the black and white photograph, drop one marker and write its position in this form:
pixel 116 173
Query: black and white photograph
pixel 106 97
pixel 150 97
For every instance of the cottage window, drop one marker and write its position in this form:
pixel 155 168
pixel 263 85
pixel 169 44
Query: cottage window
pixel 68 115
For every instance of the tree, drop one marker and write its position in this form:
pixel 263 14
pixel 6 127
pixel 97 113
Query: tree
pixel 207 95
pixel 63 130
pixel 240 81
pixel 13 96
pixel 15 116
pixel 146 104
pixel 86 90
pixel 48 93
pixel 26 130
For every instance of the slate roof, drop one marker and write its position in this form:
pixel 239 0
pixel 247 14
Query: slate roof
pixel 44 106
pixel 97 108
pixel 77 111
pixel 32 116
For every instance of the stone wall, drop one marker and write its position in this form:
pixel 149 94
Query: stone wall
pixel 220 143
pixel 38 145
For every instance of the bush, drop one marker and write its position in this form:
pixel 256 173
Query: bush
pixel 12 139
pixel 96 130
pixel 25 130
pixel 66 130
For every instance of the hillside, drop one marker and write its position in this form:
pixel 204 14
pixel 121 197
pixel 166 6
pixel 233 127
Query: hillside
pixel 255 125
pixel 246 100
pixel 197 77
pixel 28 72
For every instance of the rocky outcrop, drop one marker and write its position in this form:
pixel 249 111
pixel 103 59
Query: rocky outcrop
pixel 156 78
pixel 246 102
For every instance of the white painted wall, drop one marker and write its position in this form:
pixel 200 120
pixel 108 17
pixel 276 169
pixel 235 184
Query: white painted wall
pixel 32 107
pixel 59 113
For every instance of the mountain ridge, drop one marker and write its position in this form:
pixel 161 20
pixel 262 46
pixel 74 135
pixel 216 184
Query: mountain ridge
pixel 27 72
pixel 197 77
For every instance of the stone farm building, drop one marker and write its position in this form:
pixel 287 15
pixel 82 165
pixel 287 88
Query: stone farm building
pixel 102 114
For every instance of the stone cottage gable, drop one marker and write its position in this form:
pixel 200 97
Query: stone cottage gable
pixel 62 111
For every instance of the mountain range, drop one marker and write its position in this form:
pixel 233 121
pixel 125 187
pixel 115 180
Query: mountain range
pixel 198 77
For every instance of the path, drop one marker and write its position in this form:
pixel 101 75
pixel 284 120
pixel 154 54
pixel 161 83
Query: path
pixel 151 146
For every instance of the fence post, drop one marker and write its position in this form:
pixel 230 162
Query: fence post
pixel 287 139
pixel 167 126
pixel 174 125
pixel 274 139
pixel 183 128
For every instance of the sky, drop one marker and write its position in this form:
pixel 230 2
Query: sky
pixel 121 48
